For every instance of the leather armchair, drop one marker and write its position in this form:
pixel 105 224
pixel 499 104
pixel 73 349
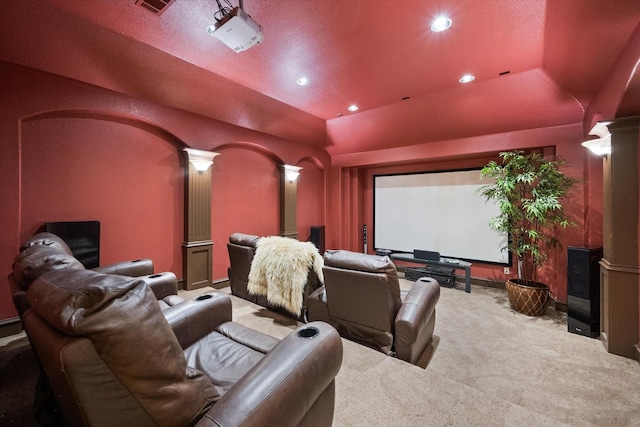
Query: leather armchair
pixel 362 299
pixel 113 357
pixel 242 249
pixel 45 251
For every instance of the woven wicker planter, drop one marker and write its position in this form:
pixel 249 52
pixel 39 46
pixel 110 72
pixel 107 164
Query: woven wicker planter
pixel 532 299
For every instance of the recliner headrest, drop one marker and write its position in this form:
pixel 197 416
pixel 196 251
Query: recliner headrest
pixel 37 260
pixel 47 239
pixel 358 261
pixel 244 239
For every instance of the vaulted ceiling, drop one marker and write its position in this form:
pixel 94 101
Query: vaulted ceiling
pixel 536 63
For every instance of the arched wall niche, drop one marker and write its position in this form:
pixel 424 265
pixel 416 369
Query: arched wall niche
pixel 246 199
pixel 125 172
pixel 313 160
pixel 257 148
pixel 244 196
pixel 109 116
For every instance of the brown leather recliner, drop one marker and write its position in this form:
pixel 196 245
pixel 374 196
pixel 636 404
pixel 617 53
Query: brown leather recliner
pixel 242 249
pixel 113 357
pixel 45 251
pixel 362 299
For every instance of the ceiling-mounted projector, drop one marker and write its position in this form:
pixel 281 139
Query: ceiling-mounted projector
pixel 237 30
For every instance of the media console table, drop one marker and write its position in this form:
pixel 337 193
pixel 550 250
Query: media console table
pixel 444 262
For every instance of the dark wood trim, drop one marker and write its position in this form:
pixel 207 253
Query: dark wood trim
pixel 10 327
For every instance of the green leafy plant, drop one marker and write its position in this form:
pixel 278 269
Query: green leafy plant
pixel 529 191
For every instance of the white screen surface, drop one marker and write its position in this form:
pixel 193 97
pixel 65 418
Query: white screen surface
pixel 438 211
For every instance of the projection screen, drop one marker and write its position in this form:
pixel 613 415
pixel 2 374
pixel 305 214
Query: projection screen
pixel 437 211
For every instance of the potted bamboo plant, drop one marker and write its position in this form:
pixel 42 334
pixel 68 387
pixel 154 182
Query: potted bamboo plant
pixel 529 191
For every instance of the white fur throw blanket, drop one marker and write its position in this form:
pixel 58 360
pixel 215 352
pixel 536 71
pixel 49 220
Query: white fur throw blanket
pixel 280 268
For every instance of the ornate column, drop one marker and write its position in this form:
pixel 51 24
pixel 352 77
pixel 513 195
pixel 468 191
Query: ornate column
pixel 197 248
pixel 288 201
pixel 619 265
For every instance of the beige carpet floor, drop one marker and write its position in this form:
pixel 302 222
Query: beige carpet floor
pixel 488 366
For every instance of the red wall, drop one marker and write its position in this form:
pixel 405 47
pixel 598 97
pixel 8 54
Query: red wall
pixel 244 199
pixel 72 151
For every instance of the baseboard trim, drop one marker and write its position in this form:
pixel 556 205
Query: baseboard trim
pixel 220 283
pixel 484 282
pixel 561 306
pixel 216 284
pixel 10 327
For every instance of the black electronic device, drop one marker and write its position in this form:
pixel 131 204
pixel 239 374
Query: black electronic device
pixel 426 255
pixel 317 237
pixel 444 276
pixel 365 247
pixel 583 289
pixel 82 237
pixel 383 252
pixel 414 274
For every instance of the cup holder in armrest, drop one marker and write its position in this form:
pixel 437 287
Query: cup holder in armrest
pixel 308 332
pixel 154 276
pixel 204 297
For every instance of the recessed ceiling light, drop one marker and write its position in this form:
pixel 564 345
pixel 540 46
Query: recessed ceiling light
pixel 303 81
pixel 441 23
pixel 353 108
pixel 467 78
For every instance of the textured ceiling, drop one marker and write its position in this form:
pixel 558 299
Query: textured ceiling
pixel 537 63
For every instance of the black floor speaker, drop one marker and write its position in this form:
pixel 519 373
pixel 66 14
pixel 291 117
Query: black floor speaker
pixel 583 289
pixel 317 237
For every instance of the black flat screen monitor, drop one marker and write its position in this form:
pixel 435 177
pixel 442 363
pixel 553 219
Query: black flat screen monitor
pixel 82 237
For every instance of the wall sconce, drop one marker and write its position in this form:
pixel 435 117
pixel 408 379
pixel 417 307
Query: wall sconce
pixel 200 159
pixel 291 172
pixel 602 145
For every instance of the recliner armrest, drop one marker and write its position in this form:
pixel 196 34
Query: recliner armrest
pixel 415 319
pixel 251 338
pixel 162 284
pixel 194 319
pixel 134 268
pixel 285 384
